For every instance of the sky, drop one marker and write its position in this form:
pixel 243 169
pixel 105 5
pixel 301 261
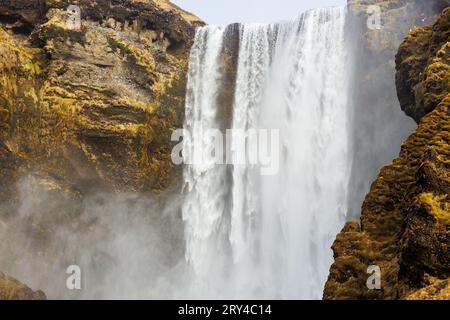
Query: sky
pixel 265 11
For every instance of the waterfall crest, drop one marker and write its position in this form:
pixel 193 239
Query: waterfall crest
pixel 254 236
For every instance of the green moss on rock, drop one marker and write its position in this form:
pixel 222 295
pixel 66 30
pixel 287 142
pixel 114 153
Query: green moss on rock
pixel 96 106
pixel 404 219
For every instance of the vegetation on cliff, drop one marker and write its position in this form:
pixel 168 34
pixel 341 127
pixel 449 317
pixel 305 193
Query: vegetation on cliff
pixel 91 108
pixel 379 125
pixel 404 226
pixel 94 106
pixel 423 69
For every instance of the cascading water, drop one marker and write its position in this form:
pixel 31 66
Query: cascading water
pixel 268 236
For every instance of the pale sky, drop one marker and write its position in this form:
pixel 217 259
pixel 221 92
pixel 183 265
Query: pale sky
pixel 229 11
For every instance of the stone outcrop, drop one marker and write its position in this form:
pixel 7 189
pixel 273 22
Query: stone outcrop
pixel 88 107
pixel 11 289
pixel 423 70
pixel 405 219
pixel 437 290
pixel 93 106
pixel 379 126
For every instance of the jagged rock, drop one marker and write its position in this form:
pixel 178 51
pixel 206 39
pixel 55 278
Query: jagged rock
pixel 436 290
pixel 11 289
pixel 95 106
pixel 405 220
pixel 422 69
pixel 373 98
pixel 85 110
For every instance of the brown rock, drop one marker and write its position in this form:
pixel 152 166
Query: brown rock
pixel 96 106
pixel 84 111
pixel 406 215
pixel 436 290
pixel 373 98
pixel 422 69
pixel 11 289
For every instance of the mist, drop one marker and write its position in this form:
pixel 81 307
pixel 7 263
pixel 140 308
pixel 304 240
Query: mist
pixel 379 126
pixel 144 246
pixel 127 245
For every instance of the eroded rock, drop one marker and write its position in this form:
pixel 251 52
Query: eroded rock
pixel 11 289
pixel 84 111
pixel 423 68
pixel 404 226
pixel 95 106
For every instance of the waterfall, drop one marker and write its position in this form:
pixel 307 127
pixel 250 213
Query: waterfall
pixel 267 236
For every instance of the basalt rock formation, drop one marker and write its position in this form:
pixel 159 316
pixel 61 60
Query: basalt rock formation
pixel 405 219
pixel 90 106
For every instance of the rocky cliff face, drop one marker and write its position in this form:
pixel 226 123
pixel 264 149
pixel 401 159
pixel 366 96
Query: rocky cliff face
pixel 93 109
pixel 379 125
pixel 405 219
pixel 89 108
pixel 94 106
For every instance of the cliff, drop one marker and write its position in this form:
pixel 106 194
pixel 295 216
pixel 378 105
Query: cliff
pixel 11 289
pixel 94 106
pixel 405 219
pixel 379 126
pixel 88 107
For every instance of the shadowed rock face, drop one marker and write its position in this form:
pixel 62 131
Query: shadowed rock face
pixel 405 220
pixel 11 289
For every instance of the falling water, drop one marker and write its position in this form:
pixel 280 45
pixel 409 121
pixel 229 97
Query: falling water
pixel 255 236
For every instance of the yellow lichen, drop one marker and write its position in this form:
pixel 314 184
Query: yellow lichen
pixel 437 205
